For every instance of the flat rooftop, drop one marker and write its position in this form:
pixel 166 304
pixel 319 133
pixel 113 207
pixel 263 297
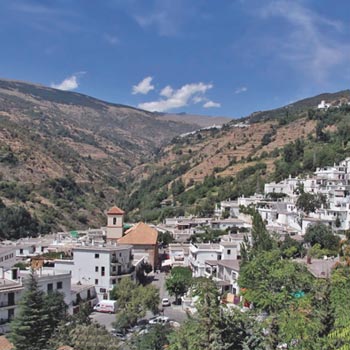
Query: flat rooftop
pixel 102 248
pixel 9 284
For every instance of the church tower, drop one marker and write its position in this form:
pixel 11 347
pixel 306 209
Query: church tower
pixel 115 222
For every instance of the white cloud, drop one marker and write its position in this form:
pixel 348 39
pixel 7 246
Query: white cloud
pixel 70 83
pixel 112 39
pixel 178 98
pixel 241 89
pixel 211 104
pixel 167 91
pixel 143 87
pixel 310 45
pixel 198 99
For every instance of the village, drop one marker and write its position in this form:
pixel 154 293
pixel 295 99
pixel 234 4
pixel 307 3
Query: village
pixel 86 265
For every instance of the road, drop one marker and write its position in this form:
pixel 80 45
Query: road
pixel 174 312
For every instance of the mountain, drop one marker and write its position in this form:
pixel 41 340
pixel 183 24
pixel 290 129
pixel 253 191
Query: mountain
pixel 195 171
pixel 65 156
pixel 201 120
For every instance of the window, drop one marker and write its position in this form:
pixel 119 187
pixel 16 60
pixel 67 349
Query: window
pixel 21 251
pixel 50 287
pixel 96 268
pixel 102 271
pixel 59 285
pixel 114 281
pixel 228 251
pixel 97 256
pixel 96 281
pixel 114 221
pixel 103 290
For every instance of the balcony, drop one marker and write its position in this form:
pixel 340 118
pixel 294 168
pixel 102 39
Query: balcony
pixel 114 260
pixel 6 304
pixel 122 273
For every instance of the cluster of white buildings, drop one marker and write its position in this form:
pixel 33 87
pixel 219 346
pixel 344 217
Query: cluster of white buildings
pixel 277 207
pixel 92 262
pixel 282 215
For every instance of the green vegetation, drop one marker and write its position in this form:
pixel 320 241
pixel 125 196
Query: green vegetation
pixel 17 222
pixel 133 301
pixel 178 282
pixel 38 317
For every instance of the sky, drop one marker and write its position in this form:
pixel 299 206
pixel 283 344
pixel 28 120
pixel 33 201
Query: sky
pixel 220 58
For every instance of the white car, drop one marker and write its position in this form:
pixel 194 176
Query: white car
pixel 165 302
pixel 159 320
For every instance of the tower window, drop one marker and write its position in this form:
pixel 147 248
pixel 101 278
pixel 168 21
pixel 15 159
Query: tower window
pixel 114 221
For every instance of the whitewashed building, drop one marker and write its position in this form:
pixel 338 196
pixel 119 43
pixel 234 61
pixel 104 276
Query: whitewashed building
pixel 102 266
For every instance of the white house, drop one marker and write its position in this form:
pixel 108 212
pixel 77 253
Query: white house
pixel 201 252
pixel 7 256
pixel 102 266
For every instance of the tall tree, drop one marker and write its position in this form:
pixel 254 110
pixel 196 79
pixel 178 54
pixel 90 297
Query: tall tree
pixel 56 311
pixel 133 301
pixel 179 281
pixel 29 329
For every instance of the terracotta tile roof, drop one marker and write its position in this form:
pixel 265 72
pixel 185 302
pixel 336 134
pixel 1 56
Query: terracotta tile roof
pixel 115 211
pixel 5 344
pixel 140 234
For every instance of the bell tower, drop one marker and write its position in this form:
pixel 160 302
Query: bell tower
pixel 115 222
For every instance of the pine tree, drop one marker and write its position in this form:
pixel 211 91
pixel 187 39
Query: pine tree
pixel 29 328
pixel 56 311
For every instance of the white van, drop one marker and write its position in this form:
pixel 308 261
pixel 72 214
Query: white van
pixel 109 306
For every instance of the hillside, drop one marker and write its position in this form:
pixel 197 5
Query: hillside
pixel 65 156
pixel 194 172
pixel 200 120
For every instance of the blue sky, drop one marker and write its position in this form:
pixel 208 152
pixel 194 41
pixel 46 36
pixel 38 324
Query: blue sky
pixel 222 57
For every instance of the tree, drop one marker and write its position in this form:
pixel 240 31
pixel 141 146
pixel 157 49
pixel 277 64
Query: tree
pixel 156 338
pixel 165 238
pixel 271 282
pixel 133 301
pixel 308 202
pixel 290 248
pixel 179 281
pixel 322 234
pixel 29 329
pixel 261 238
pixel 56 311
pixel 88 337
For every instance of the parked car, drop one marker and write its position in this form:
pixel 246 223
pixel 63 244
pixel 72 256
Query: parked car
pixel 109 306
pixel 118 334
pixel 165 302
pixel 159 320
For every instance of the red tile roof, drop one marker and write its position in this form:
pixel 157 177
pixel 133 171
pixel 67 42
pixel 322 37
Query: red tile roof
pixel 141 234
pixel 5 344
pixel 115 211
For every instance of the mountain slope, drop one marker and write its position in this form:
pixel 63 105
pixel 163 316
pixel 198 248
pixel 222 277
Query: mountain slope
pixel 195 171
pixel 48 136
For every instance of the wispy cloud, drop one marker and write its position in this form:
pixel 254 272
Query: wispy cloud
pixel 111 39
pixel 48 18
pixel 177 98
pixel 69 83
pixel 241 89
pixel 143 87
pixel 166 16
pixel 311 44
pixel 211 104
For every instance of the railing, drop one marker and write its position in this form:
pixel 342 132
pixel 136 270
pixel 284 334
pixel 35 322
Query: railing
pixel 7 304
pixel 123 272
